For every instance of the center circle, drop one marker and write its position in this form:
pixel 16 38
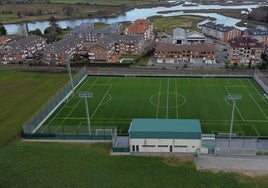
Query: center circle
pixel 172 100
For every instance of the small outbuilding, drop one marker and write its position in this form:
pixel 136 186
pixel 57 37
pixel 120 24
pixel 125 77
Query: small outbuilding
pixel 165 135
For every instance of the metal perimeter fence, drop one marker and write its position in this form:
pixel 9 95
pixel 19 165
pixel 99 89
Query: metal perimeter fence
pixel 261 79
pixel 32 124
pixel 75 133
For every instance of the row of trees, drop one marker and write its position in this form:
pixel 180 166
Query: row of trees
pixel 51 32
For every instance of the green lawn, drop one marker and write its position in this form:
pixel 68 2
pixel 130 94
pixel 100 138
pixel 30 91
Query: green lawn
pixel 117 100
pixel 167 24
pixel 21 94
pixel 72 165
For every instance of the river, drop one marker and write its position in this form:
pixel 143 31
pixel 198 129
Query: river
pixel 137 13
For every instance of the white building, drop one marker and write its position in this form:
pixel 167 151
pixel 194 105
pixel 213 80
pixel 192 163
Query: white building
pixel 165 135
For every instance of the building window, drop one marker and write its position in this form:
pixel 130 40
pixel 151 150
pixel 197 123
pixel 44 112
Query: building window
pixel 180 146
pixel 162 146
pixel 148 146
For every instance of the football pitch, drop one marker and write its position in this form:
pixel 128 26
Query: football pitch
pixel 117 100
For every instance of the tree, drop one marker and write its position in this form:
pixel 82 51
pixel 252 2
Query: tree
pixel 52 31
pixel 36 32
pixel 3 30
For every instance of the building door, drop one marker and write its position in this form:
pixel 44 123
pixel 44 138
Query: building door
pixel 133 147
pixel 170 149
pixel 137 148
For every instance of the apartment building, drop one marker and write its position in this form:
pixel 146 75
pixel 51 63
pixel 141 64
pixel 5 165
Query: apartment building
pixel 219 31
pixel 90 34
pixel 142 28
pixel 243 50
pixel 61 51
pixel 17 51
pixel 258 34
pixel 185 53
pixel 109 48
pixel 102 50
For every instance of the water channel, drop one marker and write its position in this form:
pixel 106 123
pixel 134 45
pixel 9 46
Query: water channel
pixel 137 13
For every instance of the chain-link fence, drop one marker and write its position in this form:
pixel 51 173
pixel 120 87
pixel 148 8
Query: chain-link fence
pixel 48 108
pixel 262 80
pixel 74 133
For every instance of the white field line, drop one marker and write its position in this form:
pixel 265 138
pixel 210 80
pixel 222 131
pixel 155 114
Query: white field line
pixel 157 109
pixel 252 85
pixel 101 101
pixel 258 93
pixel 167 99
pixel 65 105
pixel 69 114
pixel 255 101
pixel 177 110
pixel 74 105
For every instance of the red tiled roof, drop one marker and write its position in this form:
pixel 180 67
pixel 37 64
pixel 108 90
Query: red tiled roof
pixel 139 26
pixel 203 47
pixel 3 39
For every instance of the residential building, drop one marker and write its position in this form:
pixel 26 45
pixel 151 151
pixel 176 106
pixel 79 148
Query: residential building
pixel 197 53
pixel 180 36
pixel 219 31
pixel 244 50
pixel 258 34
pixel 102 50
pixel 127 44
pixel 18 51
pixel 61 51
pixel 109 48
pixel 4 40
pixel 165 135
pixel 142 28
pixel 90 34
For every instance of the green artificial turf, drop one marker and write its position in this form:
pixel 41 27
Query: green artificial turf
pixel 117 100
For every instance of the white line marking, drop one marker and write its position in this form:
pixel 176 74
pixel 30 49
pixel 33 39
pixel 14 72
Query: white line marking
pixel 167 99
pixel 101 102
pixel 255 101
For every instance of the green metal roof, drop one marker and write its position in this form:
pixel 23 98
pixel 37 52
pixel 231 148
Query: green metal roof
pixel 165 128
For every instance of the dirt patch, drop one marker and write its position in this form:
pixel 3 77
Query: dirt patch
pixel 177 161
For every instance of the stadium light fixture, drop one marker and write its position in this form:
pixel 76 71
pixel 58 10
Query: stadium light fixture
pixel 69 72
pixel 86 95
pixel 232 97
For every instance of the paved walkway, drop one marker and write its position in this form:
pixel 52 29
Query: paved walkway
pixel 244 164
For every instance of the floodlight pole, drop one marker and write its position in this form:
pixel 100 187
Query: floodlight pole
pixel 233 98
pixel 86 95
pixel 69 72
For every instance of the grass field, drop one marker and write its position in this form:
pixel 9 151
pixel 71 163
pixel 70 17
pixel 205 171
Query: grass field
pixel 21 94
pixel 82 165
pixel 116 100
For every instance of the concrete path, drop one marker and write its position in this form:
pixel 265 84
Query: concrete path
pixel 244 164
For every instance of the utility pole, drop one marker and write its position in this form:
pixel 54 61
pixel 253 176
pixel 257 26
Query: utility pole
pixel 232 97
pixel 69 72
pixel 86 95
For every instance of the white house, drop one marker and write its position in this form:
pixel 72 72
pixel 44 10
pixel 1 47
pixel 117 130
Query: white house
pixel 165 135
